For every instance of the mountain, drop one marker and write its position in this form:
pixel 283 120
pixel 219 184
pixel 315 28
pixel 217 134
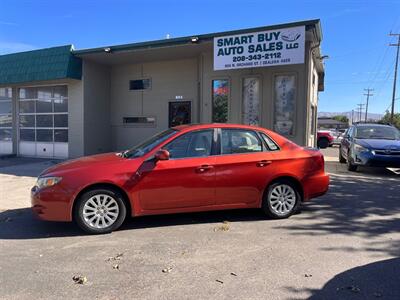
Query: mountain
pixel 371 116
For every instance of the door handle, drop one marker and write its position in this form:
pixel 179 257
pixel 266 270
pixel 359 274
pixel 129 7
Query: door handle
pixel 203 168
pixel 264 163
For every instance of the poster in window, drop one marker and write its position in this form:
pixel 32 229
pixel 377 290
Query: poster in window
pixel 251 101
pixel 220 100
pixel 179 113
pixel 284 104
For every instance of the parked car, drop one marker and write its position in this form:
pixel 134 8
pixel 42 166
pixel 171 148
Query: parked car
pixel 337 135
pixel 183 169
pixel 370 145
pixel 324 139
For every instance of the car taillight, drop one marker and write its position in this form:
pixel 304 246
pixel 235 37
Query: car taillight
pixel 319 162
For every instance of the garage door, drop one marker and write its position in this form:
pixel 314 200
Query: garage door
pixel 5 121
pixel 43 121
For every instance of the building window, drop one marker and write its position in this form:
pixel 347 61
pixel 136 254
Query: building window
pixel 251 101
pixel 140 84
pixel 220 100
pixel 5 114
pixel 284 104
pixel 43 114
pixel 180 113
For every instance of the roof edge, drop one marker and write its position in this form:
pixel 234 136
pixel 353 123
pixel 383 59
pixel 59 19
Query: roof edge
pixel 202 37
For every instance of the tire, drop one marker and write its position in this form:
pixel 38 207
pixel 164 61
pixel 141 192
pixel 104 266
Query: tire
pixel 323 143
pixel 350 166
pixel 272 206
pixel 342 160
pixel 98 207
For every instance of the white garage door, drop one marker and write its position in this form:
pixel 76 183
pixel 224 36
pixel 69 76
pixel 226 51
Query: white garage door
pixel 43 121
pixel 5 121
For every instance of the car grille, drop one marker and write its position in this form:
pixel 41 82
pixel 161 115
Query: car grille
pixel 387 152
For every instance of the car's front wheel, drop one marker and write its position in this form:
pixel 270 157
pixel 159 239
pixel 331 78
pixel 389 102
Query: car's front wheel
pixel 100 211
pixel 350 166
pixel 281 200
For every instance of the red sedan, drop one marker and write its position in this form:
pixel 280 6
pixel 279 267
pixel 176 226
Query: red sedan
pixel 183 169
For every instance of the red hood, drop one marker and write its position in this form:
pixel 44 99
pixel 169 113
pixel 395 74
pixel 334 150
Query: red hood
pixel 83 162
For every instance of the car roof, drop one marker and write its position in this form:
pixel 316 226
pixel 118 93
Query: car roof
pixel 372 124
pixel 189 127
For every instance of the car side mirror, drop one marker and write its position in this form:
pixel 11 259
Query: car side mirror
pixel 162 155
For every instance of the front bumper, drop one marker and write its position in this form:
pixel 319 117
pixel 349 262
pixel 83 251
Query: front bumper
pixel 51 204
pixel 369 159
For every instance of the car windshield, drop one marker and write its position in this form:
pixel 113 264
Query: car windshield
pixel 148 145
pixel 377 132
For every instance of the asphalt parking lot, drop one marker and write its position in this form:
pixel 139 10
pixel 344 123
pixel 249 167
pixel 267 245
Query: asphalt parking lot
pixel 344 245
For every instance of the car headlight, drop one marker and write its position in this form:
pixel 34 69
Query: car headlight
pixel 359 148
pixel 43 182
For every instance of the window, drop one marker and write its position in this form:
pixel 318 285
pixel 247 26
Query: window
pixel 270 143
pixel 193 144
pixel 239 141
pixel 43 114
pixel 140 84
pixel 284 104
pixel 220 96
pixel 251 101
pixel 180 113
pixel 5 114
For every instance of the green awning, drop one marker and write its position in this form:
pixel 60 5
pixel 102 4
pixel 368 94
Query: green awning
pixel 40 65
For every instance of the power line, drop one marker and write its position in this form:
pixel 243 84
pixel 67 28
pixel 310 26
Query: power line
pixel 368 94
pixel 395 73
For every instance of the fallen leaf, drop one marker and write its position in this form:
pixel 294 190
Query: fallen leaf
pixel 79 279
pixel 167 270
pixel 116 257
pixel 116 267
pixel 220 281
pixel 224 227
pixel 307 275
pixel 233 274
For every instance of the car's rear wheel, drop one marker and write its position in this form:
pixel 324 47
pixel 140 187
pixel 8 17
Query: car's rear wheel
pixel 342 160
pixel 323 143
pixel 100 211
pixel 281 200
pixel 350 166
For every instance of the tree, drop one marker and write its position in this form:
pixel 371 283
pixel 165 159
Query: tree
pixel 341 118
pixel 386 119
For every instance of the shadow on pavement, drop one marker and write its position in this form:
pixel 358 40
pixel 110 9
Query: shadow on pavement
pixel 356 205
pixel 23 224
pixel 24 166
pixel 377 280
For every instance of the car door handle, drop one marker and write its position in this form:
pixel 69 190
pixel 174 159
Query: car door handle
pixel 203 168
pixel 264 163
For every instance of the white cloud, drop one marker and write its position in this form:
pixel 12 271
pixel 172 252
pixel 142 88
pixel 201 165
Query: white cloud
pixel 12 47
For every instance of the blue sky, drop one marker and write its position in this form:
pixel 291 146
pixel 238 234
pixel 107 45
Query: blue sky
pixel 355 33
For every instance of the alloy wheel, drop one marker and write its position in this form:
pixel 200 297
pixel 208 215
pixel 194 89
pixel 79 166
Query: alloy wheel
pixel 282 199
pixel 100 211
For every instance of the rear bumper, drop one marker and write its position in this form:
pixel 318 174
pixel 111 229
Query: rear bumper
pixel 375 160
pixel 51 204
pixel 315 186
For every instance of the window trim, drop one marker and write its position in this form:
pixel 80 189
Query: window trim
pixel 265 143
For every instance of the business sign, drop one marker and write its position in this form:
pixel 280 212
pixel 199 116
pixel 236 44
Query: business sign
pixel 260 49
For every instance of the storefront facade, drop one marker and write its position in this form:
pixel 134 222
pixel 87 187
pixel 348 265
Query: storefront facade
pixel 111 98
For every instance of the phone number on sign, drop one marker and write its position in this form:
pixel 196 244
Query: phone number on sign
pixel 256 57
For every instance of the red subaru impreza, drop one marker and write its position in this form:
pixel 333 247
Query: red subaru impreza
pixel 183 169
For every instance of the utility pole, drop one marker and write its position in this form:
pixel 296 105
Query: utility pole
pixel 395 73
pixel 366 107
pixel 360 108
pixel 352 116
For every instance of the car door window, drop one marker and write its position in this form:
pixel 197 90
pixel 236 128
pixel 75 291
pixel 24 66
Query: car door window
pixel 193 144
pixel 235 141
